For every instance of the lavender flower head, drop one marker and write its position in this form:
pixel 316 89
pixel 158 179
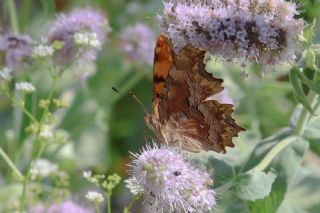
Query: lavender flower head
pixel 81 33
pixel 262 31
pixel 65 207
pixel 169 183
pixel 138 43
pixel 16 50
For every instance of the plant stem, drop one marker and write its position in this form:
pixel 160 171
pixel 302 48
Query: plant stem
pixel 264 163
pixel 108 196
pixel 97 208
pixel 25 13
pixel 127 208
pixel 13 16
pixel 11 164
pixel 36 156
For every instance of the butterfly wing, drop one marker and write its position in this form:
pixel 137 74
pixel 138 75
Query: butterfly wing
pixel 182 115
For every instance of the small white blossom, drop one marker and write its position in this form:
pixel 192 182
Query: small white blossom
pixel 42 51
pixel 46 132
pixel 10 135
pixel 87 174
pixel 25 87
pixel 134 186
pixel 95 197
pixel 5 74
pixel 42 168
pixel 87 39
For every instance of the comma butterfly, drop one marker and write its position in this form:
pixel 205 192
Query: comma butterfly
pixel 183 115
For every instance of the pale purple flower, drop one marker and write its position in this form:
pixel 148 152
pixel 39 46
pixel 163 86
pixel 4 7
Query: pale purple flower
pixel 65 207
pixel 222 97
pixel 68 27
pixel 16 50
pixel 262 31
pixel 169 183
pixel 138 43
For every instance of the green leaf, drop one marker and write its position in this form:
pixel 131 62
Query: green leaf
pixel 311 59
pixel 298 90
pixel 222 172
pixel 312 85
pixel 253 185
pixel 308 31
pixel 286 165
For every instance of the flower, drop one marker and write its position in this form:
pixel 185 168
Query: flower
pixel 42 51
pixel 222 97
pixel 263 31
pixel 65 207
pixel 46 132
pixel 16 49
pixel 95 197
pixel 5 74
pixel 138 42
pixel 87 39
pixel 170 183
pixel 42 168
pixel 25 87
pixel 76 27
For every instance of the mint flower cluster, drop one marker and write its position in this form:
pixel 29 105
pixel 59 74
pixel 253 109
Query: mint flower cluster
pixel 138 43
pixel 79 34
pixel 169 183
pixel 262 31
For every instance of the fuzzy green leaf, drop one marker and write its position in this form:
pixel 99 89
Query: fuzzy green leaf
pixel 253 185
pixel 311 60
pixel 314 86
pixel 308 31
pixel 298 90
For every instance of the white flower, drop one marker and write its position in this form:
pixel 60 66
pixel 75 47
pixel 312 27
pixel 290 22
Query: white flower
pixel 95 197
pixel 134 186
pixel 42 168
pixel 25 87
pixel 42 51
pixel 87 39
pixel 46 132
pixel 5 74
pixel 87 174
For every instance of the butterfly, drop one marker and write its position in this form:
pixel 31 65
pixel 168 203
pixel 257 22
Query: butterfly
pixel 183 114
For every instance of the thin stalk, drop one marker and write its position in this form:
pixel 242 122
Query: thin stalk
pixel 13 16
pixel 303 119
pixel 97 208
pixel 36 156
pixel 273 153
pixel 11 164
pixel 25 13
pixel 127 208
pixel 108 196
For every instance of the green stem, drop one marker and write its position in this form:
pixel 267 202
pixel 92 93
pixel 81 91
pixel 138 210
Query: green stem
pixel 303 119
pixel 97 208
pixel 11 164
pixel 39 151
pixel 13 16
pixel 24 110
pixel 273 153
pixel 127 208
pixel 108 196
pixel 305 115
pixel 25 13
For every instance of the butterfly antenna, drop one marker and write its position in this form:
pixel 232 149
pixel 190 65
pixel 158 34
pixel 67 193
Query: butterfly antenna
pixel 134 98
